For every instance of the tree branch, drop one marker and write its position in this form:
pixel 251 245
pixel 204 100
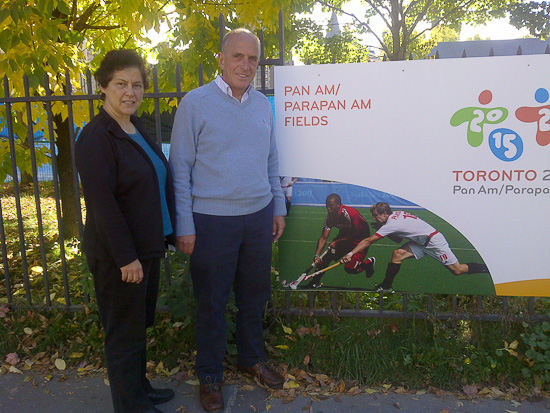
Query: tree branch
pixel 381 15
pixel 82 23
pixel 102 27
pixel 419 17
pixel 354 17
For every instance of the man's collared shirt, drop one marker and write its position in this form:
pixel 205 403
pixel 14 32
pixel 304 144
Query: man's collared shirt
pixel 227 89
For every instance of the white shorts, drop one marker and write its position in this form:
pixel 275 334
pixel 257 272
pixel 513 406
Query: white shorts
pixel 438 248
pixel 287 192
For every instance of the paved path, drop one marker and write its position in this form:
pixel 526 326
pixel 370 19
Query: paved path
pixel 91 395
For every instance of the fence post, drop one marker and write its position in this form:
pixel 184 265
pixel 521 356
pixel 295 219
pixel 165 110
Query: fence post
pixel 53 154
pixel 17 193
pixel 30 138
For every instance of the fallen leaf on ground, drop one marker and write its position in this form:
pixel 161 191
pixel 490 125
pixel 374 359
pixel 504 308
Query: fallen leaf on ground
pixel 497 392
pixel 160 368
pixel 469 391
pixel 60 364
pixel 291 384
pixel 342 386
pixel 354 391
pixel 303 331
pixel 12 358
pixel 3 310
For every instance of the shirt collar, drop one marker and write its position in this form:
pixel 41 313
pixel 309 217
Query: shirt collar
pixel 227 89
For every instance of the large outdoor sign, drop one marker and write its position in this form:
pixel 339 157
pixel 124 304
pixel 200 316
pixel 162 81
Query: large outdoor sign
pixel 465 140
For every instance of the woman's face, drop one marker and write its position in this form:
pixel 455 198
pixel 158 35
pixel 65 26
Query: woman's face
pixel 124 93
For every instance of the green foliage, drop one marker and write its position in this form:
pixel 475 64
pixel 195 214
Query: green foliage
pixel 413 354
pixel 533 15
pixel 178 296
pixel 537 355
pixel 39 339
pixel 406 22
pixel 341 48
pixel 79 279
pixel 61 37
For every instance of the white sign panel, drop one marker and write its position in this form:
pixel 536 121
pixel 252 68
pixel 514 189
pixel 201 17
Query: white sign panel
pixel 467 139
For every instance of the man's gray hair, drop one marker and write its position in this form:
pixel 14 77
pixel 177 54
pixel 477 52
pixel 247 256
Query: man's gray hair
pixel 228 35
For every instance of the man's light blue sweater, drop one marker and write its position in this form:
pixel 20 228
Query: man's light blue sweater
pixel 223 156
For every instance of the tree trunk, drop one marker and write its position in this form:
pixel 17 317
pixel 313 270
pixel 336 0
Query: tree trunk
pixel 70 210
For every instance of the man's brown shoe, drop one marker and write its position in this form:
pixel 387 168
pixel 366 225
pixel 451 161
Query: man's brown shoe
pixel 266 374
pixel 211 397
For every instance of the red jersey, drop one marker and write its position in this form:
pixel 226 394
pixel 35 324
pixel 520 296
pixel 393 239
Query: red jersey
pixel 350 222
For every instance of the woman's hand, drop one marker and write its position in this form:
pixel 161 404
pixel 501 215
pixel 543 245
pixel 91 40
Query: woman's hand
pixel 132 273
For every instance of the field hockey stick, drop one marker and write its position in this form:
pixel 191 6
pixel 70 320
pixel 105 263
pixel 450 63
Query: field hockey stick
pixel 294 284
pixel 304 274
pixel 313 263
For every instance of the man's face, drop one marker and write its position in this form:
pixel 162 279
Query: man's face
pixel 238 62
pixel 380 218
pixel 333 207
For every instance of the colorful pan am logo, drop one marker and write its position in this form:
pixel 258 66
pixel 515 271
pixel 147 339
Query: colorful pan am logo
pixel 539 115
pixel 505 144
pixel 477 117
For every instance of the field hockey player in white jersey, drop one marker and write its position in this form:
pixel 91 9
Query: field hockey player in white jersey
pixel 423 239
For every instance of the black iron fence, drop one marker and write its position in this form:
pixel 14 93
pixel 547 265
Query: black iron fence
pixel 39 255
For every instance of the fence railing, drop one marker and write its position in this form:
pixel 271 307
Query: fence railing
pixel 26 266
pixel 37 256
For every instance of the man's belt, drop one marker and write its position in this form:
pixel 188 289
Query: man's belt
pixel 430 237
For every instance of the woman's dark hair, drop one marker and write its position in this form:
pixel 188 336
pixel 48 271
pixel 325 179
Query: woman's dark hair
pixel 118 60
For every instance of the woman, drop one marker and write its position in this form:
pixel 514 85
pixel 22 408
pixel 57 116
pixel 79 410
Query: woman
pixel 130 213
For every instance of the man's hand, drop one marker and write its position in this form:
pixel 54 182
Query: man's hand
pixel 346 258
pixel 317 260
pixel 132 273
pixel 186 243
pixel 278 227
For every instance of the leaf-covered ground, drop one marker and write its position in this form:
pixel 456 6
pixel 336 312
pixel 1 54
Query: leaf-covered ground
pixel 55 345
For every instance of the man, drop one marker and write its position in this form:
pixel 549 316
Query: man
pixel 423 240
pixel 286 184
pixel 352 229
pixel 229 210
